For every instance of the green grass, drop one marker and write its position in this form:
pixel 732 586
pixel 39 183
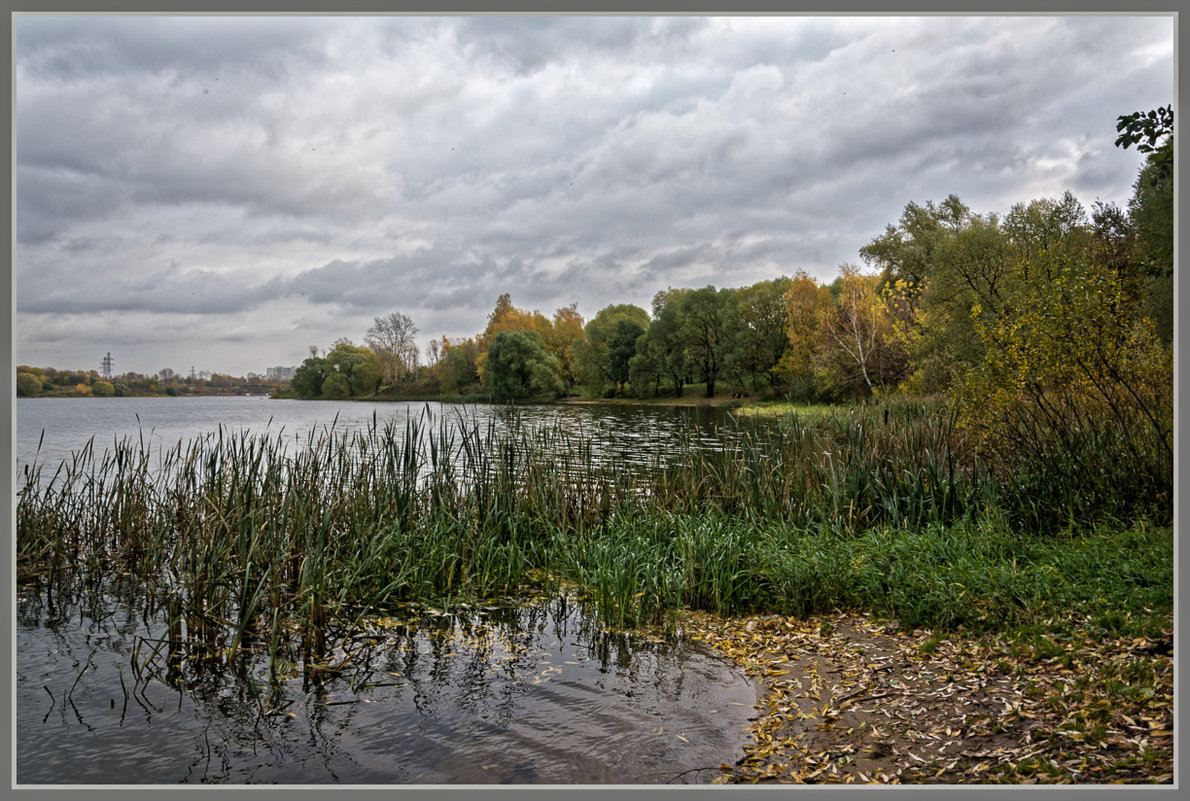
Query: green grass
pixel 978 576
pixel 248 540
pixel 785 408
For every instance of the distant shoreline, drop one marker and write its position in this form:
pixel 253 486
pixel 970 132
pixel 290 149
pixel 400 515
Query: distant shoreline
pixel 263 393
pixel 763 406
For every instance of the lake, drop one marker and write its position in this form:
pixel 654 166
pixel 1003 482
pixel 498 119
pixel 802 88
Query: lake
pixel 628 433
pixel 528 692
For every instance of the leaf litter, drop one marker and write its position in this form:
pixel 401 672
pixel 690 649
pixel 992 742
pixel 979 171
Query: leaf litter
pixel 846 698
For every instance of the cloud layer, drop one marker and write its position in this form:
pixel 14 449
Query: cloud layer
pixel 225 192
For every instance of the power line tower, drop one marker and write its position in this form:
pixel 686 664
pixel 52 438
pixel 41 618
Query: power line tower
pixel 106 365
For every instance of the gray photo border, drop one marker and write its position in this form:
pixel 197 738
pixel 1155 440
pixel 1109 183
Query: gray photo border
pixel 547 7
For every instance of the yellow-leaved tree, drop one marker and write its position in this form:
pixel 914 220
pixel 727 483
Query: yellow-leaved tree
pixel 858 351
pixel 806 304
pixel 506 317
pixel 1074 398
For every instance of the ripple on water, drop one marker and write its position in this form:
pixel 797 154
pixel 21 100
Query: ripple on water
pixel 536 694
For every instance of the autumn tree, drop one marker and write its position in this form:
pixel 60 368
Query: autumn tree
pixel 457 368
pixel 972 268
pixel 1075 390
pixel 391 339
pixel 936 264
pixel 806 305
pixel 506 317
pixel 905 252
pixel 857 351
pixel 567 327
pixel 908 255
pixel 28 384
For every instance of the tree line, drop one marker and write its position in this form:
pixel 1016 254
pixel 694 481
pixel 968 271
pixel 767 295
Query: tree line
pixel 947 298
pixel 34 381
pixel 1050 327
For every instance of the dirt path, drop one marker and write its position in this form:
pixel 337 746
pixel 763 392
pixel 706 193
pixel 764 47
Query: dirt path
pixel 851 700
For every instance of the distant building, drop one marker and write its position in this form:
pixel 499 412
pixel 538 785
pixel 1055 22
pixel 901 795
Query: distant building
pixel 279 372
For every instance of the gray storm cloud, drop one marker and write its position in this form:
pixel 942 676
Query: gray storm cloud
pixel 269 183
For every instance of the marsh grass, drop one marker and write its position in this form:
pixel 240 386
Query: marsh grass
pixel 854 467
pixel 282 546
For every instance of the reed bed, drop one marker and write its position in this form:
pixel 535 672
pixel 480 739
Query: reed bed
pixel 855 467
pixel 281 545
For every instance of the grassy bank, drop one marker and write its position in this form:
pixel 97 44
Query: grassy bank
pixel 252 540
pixel 979 576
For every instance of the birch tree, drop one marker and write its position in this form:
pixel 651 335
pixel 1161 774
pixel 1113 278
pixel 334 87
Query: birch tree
pixel 858 349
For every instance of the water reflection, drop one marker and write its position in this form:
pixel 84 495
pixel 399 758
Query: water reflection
pixel 485 694
pixel 108 693
pixel 51 431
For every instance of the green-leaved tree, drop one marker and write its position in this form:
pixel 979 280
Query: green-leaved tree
pixel 519 366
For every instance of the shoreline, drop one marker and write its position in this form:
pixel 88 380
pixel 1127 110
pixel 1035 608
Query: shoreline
pixel 850 698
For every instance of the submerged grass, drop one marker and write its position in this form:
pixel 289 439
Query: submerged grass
pixel 284 544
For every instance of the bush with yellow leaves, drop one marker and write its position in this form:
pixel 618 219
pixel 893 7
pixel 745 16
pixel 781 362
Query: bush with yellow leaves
pixel 1073 402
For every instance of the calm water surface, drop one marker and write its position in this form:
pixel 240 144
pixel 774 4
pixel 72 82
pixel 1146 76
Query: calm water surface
pixel 60 426
pixel 528 693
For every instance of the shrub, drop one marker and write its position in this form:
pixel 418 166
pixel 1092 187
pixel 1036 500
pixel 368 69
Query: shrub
pixel 28 384
pixel 1073 402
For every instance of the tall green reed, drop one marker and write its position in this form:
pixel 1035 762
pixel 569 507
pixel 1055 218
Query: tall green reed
pixel 856 467
pixel 283 543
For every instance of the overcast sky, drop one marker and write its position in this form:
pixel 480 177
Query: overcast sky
pixel 223 193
